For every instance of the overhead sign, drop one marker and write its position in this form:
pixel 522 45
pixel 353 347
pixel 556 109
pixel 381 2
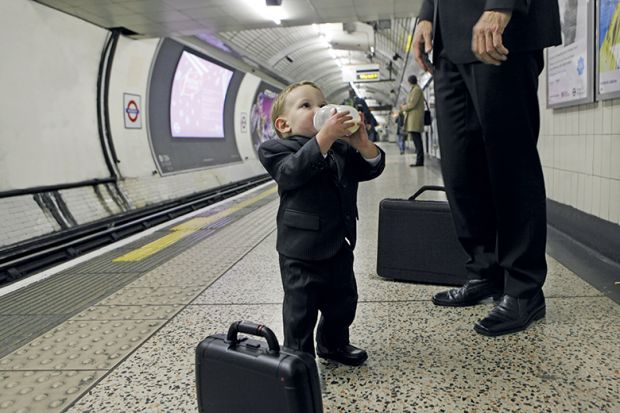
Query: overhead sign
pixel 361 73
pixel 367 73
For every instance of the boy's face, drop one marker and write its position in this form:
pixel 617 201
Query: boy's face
pixel 301 105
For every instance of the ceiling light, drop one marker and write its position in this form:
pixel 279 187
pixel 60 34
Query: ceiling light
pixel 269 12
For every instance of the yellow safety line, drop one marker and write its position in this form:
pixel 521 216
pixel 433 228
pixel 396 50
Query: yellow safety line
pixel 187 228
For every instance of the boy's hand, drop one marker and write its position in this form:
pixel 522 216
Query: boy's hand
pixel 359 140
pixel 336 126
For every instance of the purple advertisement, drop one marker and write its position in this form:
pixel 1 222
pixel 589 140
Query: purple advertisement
pixel 197 99
pixel 261 128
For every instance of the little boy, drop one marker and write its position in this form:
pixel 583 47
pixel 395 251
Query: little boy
pixel 317 174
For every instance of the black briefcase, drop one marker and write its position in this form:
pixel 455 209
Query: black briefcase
pixel 242 375
pixel 417 241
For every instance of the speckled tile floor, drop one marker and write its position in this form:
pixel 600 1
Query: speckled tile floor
pixel 423 358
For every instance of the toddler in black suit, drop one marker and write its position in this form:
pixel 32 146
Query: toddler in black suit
pixel 317 172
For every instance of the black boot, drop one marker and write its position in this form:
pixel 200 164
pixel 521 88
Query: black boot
pixel 512 314
pixel 347 354
pixel 471 293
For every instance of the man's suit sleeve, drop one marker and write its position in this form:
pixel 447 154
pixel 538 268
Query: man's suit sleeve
pixel 519 6
pixel 288 164
pixel 427 10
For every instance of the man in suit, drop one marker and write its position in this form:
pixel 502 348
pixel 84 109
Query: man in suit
pixel 487 57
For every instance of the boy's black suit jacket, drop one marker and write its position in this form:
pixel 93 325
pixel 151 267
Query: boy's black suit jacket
pixel 318 195
pixel 535 24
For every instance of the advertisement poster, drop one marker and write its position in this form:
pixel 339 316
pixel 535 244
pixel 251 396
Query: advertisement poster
pixel 199 90
pixel 261 128
pixel 608 44
pixel 189 97
pixel 569 70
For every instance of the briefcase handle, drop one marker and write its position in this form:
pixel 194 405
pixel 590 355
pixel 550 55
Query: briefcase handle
pixel 426 188
pixel 254 329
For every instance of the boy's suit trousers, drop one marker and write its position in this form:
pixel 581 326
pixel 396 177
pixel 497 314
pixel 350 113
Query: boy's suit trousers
pixel 327 286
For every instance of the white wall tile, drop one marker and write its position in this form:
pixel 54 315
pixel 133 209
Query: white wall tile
pixel 586 118
pixel 605 196
pixel 605 144
pixel 557 122
pixel 615 156
pixel 589 156
pixel 615 122
pixel 598 119
pixel 581 199
pixel 589 189
pixel 557 185
pixel 549 189
pixel 597 162
pixel 573 120
pixel 608 115
pixel 614 201
pixel 596 196
pixel 557 150
pixel 573 188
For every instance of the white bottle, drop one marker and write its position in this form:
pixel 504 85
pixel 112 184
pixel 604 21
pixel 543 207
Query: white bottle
pixel 326 111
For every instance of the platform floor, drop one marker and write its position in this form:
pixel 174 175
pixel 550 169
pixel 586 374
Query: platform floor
pixel 132 349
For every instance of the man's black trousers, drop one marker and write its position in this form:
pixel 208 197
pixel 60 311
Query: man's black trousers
pixel 488 124
pixel 327 286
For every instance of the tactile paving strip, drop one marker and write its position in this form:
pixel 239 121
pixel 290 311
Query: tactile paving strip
pixel 81 345
pixel 128 312
pixel 65 294
pixel 39 391
pixel 14 334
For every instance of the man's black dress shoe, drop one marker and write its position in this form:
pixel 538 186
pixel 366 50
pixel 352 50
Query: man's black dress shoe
pixel 348 354
pixel 471 293
pixel 416 164
pixel 511 315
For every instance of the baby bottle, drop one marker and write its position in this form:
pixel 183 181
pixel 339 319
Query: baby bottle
pixel 326 111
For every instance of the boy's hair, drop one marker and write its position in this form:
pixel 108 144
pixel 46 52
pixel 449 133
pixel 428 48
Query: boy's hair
pixel 278 105
pixel 413 79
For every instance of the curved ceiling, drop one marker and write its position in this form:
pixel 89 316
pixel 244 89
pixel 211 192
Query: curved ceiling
pixel 315 39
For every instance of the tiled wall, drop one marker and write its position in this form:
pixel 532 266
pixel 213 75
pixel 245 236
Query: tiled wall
pixel 86 205
pixel 580 152
pixel 21 218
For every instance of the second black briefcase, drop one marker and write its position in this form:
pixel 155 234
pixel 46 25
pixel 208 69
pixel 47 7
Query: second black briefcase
pixel 418 243
pixel 243 375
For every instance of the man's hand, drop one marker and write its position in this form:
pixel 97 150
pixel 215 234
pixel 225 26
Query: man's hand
pixel 423 44
pixel 486 41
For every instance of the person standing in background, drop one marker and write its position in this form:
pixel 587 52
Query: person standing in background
pixel 401 134
pixel 414 118
pixel 488 55
pixel 360 104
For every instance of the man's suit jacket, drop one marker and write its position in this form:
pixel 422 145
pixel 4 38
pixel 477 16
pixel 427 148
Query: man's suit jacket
pixel 318 195
pixel 535 24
